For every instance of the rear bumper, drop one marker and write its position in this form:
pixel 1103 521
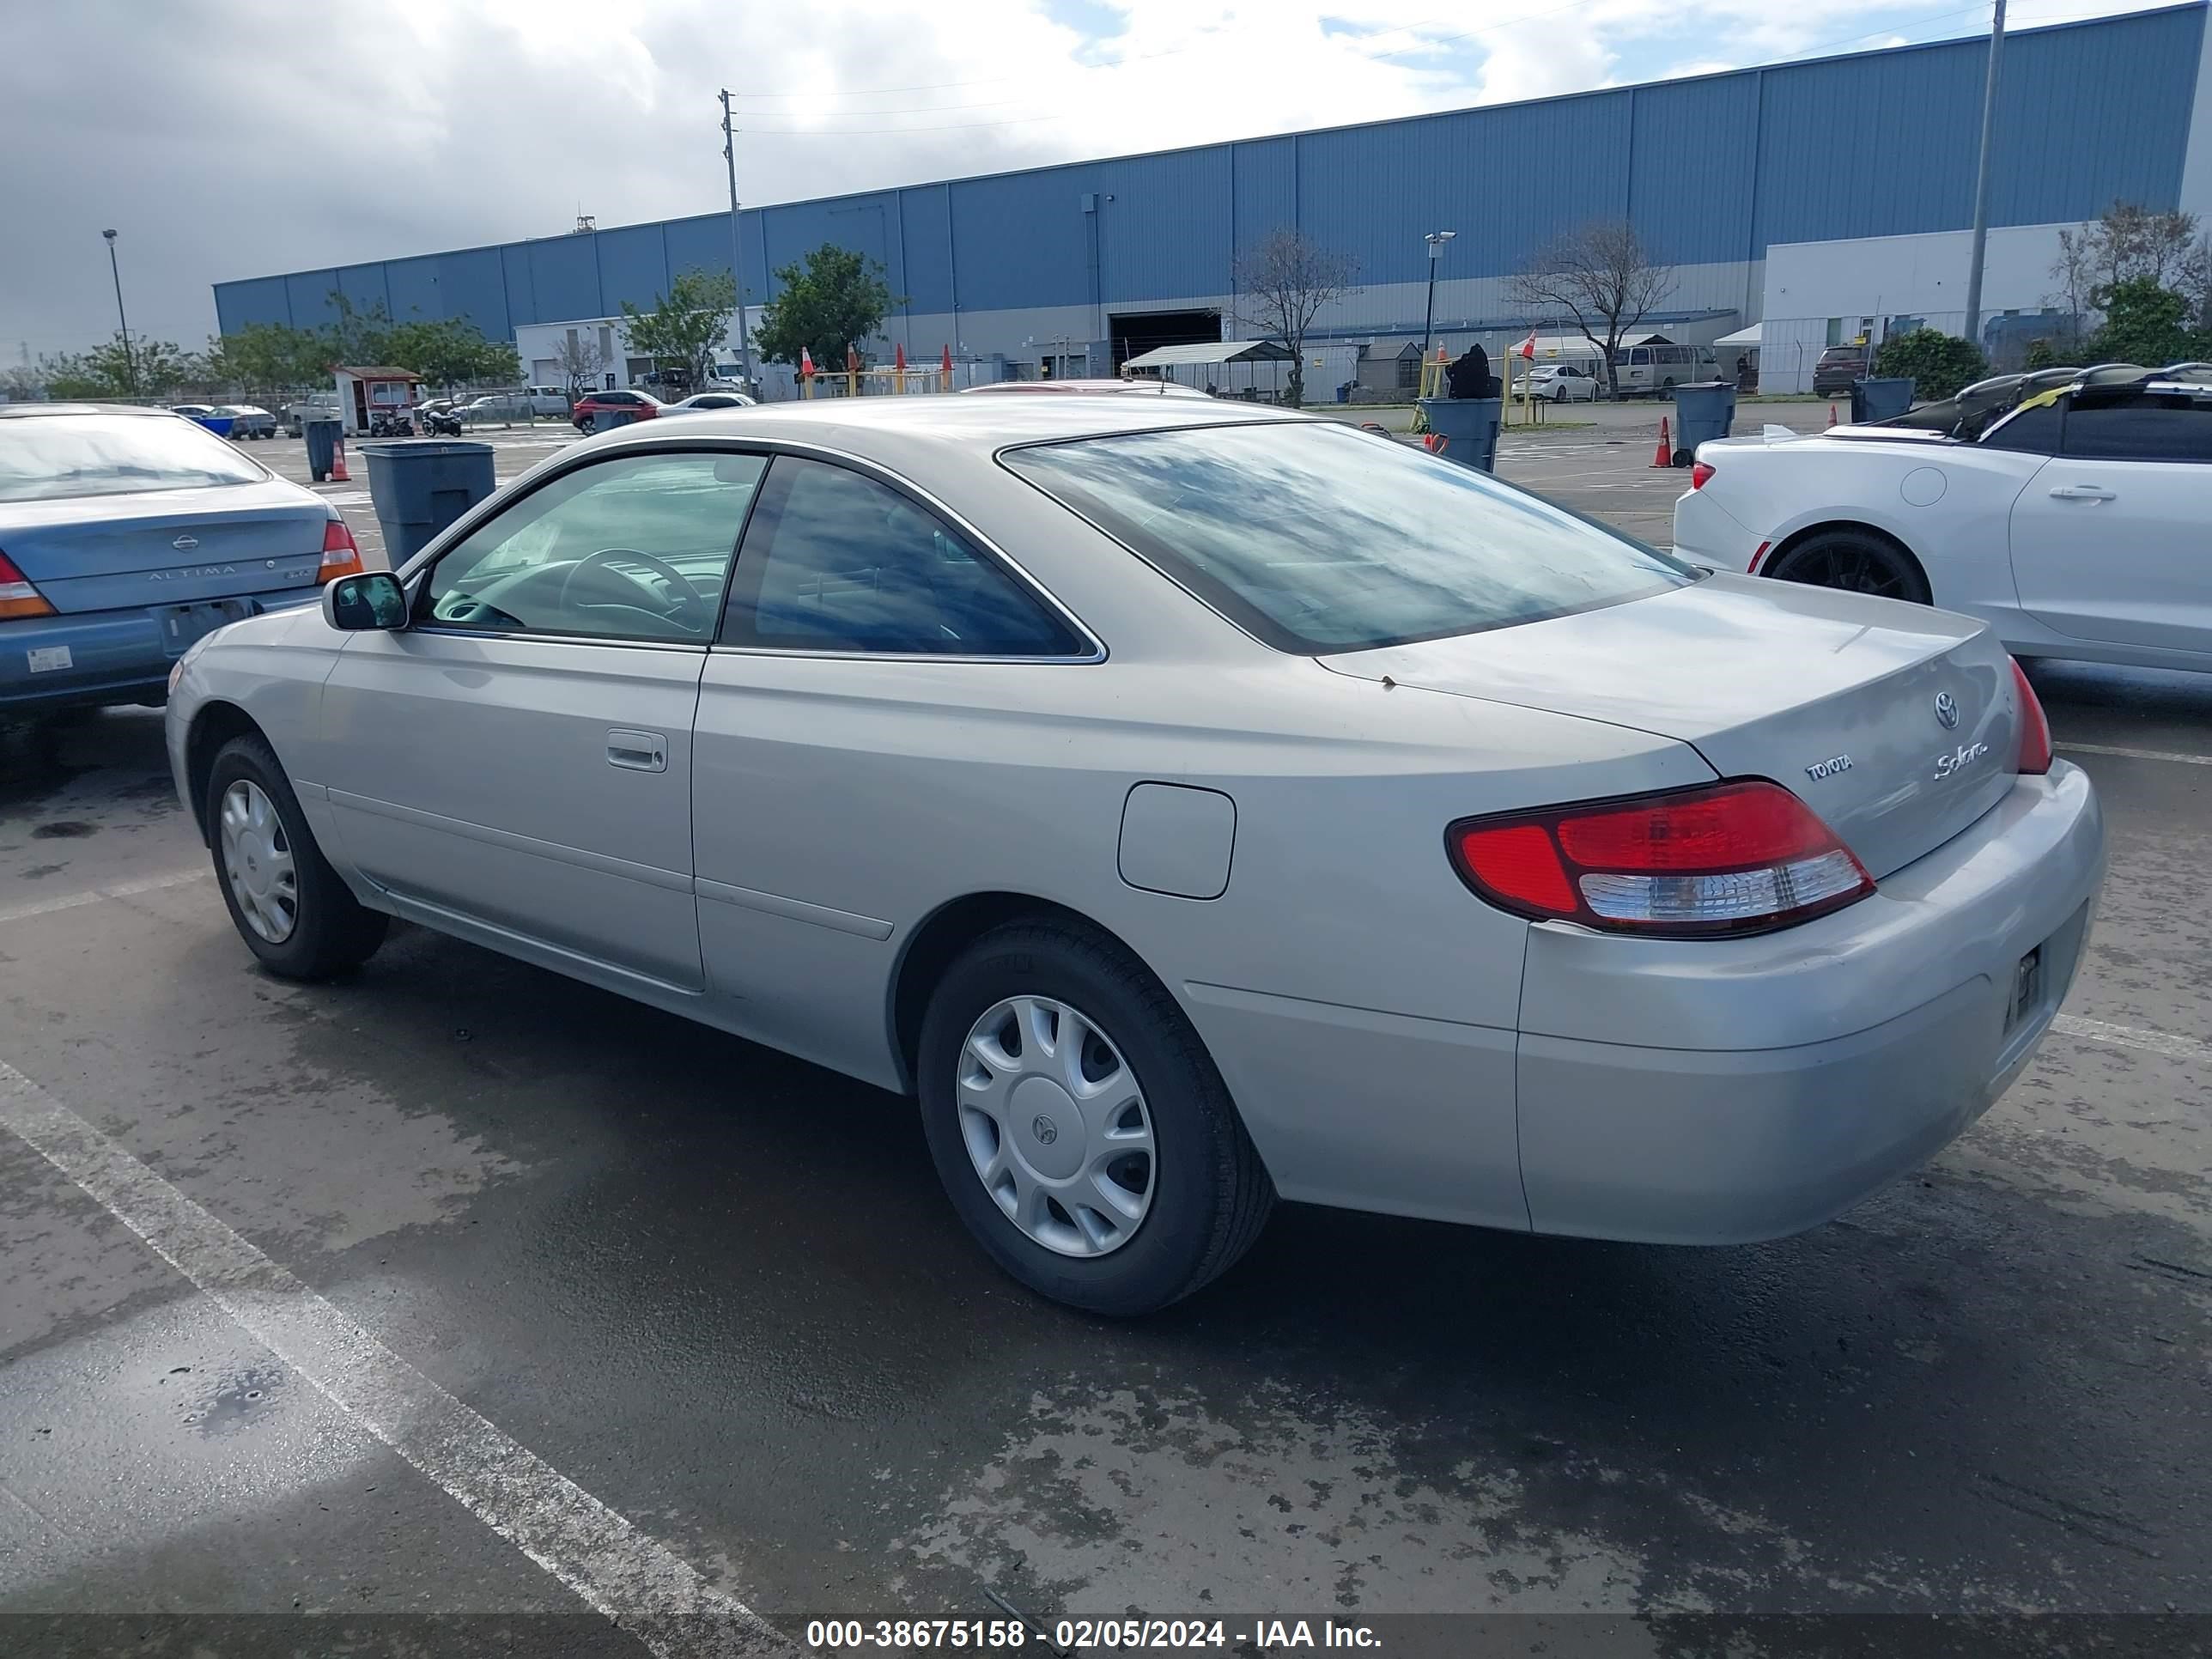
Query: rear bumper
pixel 113 656
pixel 1748 1089
pixel 1708 534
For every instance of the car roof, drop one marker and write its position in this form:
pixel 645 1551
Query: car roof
pixel 18 410
pixel 970 422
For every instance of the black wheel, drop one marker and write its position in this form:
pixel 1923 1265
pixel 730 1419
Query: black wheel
pixel 289 905
pixel 1855 561
pixel 1079 1126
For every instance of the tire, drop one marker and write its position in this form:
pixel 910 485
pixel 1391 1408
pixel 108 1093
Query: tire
pixel 331 930
pixel 1854 561
pixel 1558 394
pixel 1205 1193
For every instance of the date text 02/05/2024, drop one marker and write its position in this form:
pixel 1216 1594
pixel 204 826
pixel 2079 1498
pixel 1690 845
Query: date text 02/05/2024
pixel 1076 1635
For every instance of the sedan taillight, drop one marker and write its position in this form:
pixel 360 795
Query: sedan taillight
pixel 1746 856
pixel 18 597
pixel 341 557
pixel 2034 727
pixel 1700 474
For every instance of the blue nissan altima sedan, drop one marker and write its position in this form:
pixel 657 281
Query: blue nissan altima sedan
pixel 125 534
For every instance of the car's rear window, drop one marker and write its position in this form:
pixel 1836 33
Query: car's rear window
pixel 1315 538
pixel 46 457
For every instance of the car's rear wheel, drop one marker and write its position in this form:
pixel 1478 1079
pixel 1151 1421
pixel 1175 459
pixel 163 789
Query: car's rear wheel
pixel 289 905
pixel 1855 560
pixel 1080 1128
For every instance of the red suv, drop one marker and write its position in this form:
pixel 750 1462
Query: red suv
pixel 637 405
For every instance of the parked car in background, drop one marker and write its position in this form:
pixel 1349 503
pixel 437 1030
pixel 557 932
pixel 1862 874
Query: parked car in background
pixel 1838 367
pixel 636 404
pixel 501 406
pixel 1195 805
pixel 322 406
pixel 204 414
pixel 248 421
pixel 1658 366
pixel 1558 383
pixel 2067 508
pixel 548 399
pixel 703 400
pixel 125 534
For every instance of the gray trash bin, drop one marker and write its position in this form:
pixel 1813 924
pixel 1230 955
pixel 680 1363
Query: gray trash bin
pixel 1879 400
pixel 419 487
pixel 1468 428
pixel 322 445
pixel 1702 409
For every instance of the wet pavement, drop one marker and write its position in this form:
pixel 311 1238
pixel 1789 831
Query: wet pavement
pixel 438 1250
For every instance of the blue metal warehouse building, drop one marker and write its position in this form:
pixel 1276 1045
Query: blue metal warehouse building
pixel 1715 172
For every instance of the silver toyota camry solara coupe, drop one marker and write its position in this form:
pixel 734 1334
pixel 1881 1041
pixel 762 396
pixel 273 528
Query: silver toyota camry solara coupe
pixel 1190 804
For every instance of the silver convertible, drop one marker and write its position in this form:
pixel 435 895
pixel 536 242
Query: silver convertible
pixel 1192 805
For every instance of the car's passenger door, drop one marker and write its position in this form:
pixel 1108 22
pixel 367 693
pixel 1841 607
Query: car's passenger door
pixel 2109 540
pixel 520 756
pixel 860 722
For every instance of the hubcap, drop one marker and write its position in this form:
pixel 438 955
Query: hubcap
pixel 1056 1126
pixel 256 860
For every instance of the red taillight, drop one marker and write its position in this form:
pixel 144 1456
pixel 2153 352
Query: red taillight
pixel 1740 857
pixel 340 556
pixel 18 597
pixel 2034 727
pixel 1699 472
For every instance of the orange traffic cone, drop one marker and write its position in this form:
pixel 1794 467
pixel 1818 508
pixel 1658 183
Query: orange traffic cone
pixel 1664 456
pixel 1831 414
pixel 338 473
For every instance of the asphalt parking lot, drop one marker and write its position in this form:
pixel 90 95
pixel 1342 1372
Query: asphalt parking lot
pixel 460 1263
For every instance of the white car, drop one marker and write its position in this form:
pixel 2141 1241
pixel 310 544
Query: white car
pixel 2067 509
pixel 699 402
pixel 1559 383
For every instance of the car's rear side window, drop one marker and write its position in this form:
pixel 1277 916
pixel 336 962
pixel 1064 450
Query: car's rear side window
pixel 1314 539
pixel 2140 426
pixel 46 457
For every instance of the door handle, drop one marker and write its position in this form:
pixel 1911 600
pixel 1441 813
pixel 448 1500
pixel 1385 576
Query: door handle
pixel 2083 493
pixel 637 751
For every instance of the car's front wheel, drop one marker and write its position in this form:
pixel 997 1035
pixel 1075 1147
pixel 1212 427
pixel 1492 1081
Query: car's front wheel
pixel 1855 560
pixel 291 908
pixel 1080 1128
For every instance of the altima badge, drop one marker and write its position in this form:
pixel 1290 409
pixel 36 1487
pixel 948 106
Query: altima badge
pixel 1947 710
pixel 1828 768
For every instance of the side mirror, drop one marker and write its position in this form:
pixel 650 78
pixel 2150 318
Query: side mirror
pixel 373 599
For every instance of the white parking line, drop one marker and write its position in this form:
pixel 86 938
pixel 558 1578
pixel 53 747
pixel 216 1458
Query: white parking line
pixel 2132 1036
pixel 634 1580
pixel 2134 754
pixel 99 894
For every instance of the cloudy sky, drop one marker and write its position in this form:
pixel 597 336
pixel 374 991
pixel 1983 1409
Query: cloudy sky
pixel 226 139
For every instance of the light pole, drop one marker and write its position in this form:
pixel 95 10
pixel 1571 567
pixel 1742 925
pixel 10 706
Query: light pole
pixel 1982 179
pixel 737 252
pixel 1435 239
pixel 122 323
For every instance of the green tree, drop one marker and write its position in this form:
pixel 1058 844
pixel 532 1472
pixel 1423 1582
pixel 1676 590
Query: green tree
pixel 271 356
pixel 1937 364
pixel 837 298
pixel 450 352
pixel 359 335
pixel 685 330
pixel 2147 324
pixel 2040 355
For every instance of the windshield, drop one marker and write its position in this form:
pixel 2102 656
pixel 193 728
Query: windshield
pixel 50 458
pixel 1317 538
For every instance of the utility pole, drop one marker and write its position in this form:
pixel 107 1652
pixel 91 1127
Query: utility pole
pixel 1982 180
pixel 737 254
pixel 122 323
pixel 1435 239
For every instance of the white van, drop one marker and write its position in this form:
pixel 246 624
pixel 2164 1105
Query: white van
pixel 1659 366
pixel 547 399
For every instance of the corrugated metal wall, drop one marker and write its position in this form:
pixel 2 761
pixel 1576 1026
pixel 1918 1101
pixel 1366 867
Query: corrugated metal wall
pixel 1711 170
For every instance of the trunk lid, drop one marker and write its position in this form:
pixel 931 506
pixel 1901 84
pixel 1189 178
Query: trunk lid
pixel 166 547
pixel 1770 680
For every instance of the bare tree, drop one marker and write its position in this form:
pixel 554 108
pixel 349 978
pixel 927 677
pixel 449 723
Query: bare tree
pixel 580 361
pixel 1286 281
pixel 2130 242
pixel 1602 275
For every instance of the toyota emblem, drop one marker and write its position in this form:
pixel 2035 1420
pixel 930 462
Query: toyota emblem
pixel 1046 1130
pixel 1947 710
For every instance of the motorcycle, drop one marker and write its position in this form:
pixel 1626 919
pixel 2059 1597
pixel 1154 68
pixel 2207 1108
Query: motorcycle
pixel 391 423
pixel 442 423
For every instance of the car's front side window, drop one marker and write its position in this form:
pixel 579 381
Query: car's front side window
pixel 635 547
pixel 837 561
